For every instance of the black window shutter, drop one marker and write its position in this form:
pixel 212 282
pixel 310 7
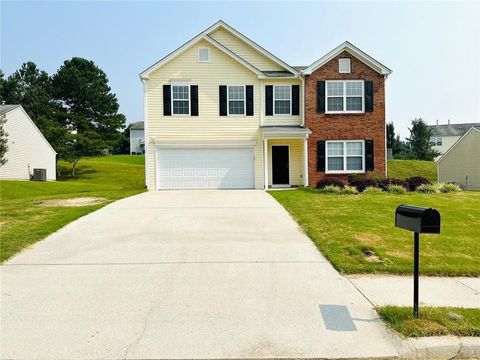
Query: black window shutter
pixel 167 105
pixel 321 96
pixel 269 100
pixel 295 99
pixel 369 160
pixel 194 100
pixel 368 96
pixel 321 156
pixel 223 100
pixel 249 97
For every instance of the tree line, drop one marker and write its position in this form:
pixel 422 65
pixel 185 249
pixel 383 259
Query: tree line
pixel 416 147
pixel 74 108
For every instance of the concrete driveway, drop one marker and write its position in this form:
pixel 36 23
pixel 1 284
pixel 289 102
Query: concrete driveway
pixel 184 274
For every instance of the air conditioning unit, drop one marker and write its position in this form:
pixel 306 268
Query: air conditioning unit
pixel 39 175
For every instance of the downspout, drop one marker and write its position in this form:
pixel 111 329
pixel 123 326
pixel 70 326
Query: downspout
pixel 305 147
pixel 385 127
pixel 145 129
pixel 303 98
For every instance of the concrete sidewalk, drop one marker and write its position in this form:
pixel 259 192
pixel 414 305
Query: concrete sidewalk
pixel 433 291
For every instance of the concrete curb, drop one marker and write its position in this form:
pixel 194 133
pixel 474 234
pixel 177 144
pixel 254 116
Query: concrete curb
pixel 441 347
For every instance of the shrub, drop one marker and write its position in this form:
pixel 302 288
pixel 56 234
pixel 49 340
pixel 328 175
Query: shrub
pixel 446 188
pixel 372 190
pixel 350 190
pixel 383 184
pixel 332 189
pixel 415 181
pixel 361 182
pixel 330 180
pixel 428 188
pixel 396 189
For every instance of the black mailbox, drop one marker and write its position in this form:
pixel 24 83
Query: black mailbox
pixel 418 219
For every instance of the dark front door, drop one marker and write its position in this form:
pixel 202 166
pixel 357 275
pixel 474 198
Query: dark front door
pixel 280 165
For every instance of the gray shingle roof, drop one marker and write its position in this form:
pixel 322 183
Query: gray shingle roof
pixel 7 108
pixel 299 68
pixel 137 125
pixel 452 129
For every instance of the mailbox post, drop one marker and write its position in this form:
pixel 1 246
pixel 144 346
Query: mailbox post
pixel 419 220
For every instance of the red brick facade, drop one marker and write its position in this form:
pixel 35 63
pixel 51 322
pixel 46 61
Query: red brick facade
pixel 365 126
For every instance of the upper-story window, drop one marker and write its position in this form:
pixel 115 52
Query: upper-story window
pixel 236 99
pixel 345 96
pixel 282 100
pixel 436 141
pixel 203 54
pixel 344 66
pixel 345 156
pixel 180 99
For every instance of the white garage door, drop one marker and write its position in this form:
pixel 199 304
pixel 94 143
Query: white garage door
pixel 206 168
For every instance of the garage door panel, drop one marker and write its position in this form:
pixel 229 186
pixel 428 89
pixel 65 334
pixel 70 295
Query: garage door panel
pixel 219 168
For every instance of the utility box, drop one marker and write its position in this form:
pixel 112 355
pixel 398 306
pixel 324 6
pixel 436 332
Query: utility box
pixel 39 175
pixel 417 219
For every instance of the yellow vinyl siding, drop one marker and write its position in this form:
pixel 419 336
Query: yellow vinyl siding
pixel 296 160
pixel 244 50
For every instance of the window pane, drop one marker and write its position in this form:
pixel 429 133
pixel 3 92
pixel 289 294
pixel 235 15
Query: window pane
pixel 236 107
pixel 236 93
pixel 354 148
pixel 354 104
pixel 354 163
pixel 335 104
pixel 335 163
pixel 354 88
pixel 335 88
pixel 180 92
pixel 282 106
pixel 282 92
pixel 180 107
pixel 335 149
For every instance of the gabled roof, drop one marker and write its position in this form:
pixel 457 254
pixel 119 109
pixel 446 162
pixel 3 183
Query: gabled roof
pixel 204 35
pixel 457 142
pixel 354 51
pixel 137 126
pixel 452 129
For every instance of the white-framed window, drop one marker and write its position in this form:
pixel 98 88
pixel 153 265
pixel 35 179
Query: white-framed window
pixel 344 66
pixel 236 99
pixel 203 54
pixel 345 96
pixel 282 100
pixel 180 99
pixel 436 141
pixel 345 156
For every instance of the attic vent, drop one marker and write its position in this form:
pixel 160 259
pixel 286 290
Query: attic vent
pixel 344 66
pixel 203 54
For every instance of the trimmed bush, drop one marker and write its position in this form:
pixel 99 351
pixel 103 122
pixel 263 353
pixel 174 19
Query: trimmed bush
pixel 361 182
pixel 446 188
pixel 415 181
pixel 396 189
pixel 428 188
pixel 350 190
pixel 330 180
pixel 383 184
pixel 332 189
pixel 372 190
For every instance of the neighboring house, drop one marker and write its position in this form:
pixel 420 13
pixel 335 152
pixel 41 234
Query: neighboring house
pixel 444 136
pixel 27 147
pixel 137 138
pixel 222 112
pixel 461 163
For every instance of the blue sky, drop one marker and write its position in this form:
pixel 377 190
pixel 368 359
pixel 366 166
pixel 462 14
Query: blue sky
pixel 432 47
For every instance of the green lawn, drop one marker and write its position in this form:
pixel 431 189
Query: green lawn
pixel 344 226
pixel 433 321
pixel 403 169
pixel 23 222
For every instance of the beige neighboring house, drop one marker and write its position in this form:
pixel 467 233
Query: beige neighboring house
pixel 137 138
pixel 461 163
pixel 444 136
pixel 27 147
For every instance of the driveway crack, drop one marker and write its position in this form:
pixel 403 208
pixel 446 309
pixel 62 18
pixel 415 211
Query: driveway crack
pixel 142 332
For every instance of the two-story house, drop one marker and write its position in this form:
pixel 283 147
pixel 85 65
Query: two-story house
pixel 222 112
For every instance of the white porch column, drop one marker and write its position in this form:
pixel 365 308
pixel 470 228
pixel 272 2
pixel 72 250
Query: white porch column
pixel 305 162
pixel 265 162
